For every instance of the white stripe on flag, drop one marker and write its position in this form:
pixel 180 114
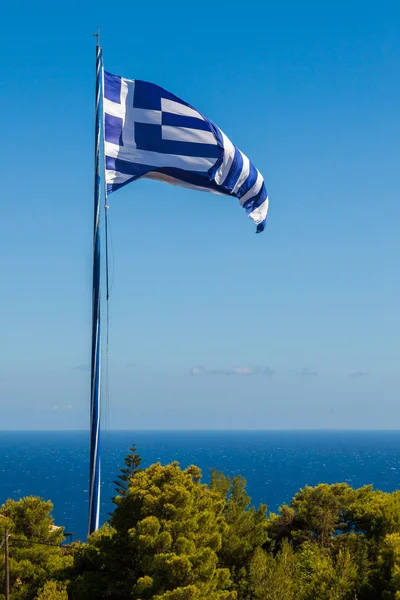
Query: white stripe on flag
pixel 113 108
pixel 158 159
pixel 142 115
pixel 187 134
pixel 244 173
pixel 116 177
pixel 128 127
pixel 170 106
pixel 258 215
pixel 253 191
pixel 229 155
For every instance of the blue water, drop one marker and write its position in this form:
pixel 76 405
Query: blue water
pixel 54 465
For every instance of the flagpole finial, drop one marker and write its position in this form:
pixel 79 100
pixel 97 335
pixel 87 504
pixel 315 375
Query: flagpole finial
pixel 97 36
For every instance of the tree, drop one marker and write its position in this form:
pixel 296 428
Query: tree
pixel 389 567
pixel 326 577
pixel 274 577
pixel 320 511
pixel 246 528
pixel 375 513
pixel 132 465
pixel 53 590
pixel 161 543
pixel 328 526
pixel 29 520
pixel 315 513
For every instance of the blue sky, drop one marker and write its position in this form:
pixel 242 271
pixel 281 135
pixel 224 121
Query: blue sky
pixel 211 325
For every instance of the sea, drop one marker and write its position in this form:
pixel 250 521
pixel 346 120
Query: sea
pixel 276 464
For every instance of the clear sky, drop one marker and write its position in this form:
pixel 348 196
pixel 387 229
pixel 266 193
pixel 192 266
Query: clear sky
pixel 212 326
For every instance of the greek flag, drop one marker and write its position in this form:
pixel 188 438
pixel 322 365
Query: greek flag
pixel 151 133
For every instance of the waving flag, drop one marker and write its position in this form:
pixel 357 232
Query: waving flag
pixel 149 132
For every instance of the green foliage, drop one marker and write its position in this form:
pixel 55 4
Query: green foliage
pixel 171 537
pixel 132 464
pixel 161 544
pixel 246 528
pixel 389 566
pixel 31 565
pixel 315 513
pixel 53 590
pixel 313 573
pixel 326 576
pixel 375 513
pixel 274 577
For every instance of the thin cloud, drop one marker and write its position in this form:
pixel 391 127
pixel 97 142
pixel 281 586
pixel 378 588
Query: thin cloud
pixel 359 374
pixel 63 407
pixel 242 370
pixel 268 371
pixel 307 372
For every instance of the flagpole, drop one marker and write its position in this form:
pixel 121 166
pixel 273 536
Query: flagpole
pixel 94 476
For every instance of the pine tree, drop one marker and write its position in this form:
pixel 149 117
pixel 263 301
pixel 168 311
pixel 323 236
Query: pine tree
pixel 132 465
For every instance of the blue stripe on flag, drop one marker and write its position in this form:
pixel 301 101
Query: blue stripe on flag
pixel 148 95
pixel 113 129
pixel 148 137
pixel 112 87
pixel 256 201
pixel 261 226
pixel 127 168
pixel 218 135
pixel 248 184
pixel 181 121
pixel 234 171
pixel 113 187
pixel 193 178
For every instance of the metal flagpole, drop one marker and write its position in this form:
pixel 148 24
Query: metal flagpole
pixel 94 477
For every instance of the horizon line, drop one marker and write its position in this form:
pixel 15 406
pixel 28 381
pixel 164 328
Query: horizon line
pixel 105 431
